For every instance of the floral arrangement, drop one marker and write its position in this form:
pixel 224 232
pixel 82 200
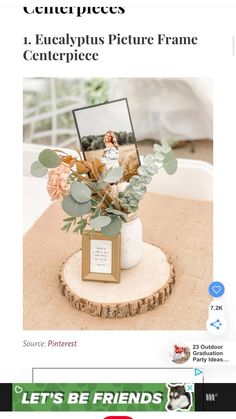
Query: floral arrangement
pixel 93 196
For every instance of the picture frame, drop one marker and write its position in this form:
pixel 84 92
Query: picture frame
pixel 106 132
pixel 100 257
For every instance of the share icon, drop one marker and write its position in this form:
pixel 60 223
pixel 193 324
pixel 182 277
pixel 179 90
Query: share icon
pixel 217 324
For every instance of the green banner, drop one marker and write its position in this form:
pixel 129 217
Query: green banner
pixel 91 397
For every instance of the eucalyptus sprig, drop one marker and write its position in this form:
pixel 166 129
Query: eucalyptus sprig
pixel 162 157
pixel 91 196
pixel 90 199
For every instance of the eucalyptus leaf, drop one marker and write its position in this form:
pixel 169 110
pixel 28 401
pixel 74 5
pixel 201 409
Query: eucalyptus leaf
pixel 163 149
pixel 149 159
pixel 170 163
pixel 166 148
pixel 128 188
pixel 115 211
pixel 80 192
pixel 134 180
pixel 141 188
pixel 125 205
pixel 75 209
pixel 157 148
pixel 49 158
pixel 152 169
pixel 142 171
pixel 113 228
pixel 159 157
pixel 134 201
pixel 38 170
pixel 138 195
pixel 101 221
pixel 132 209
pixel 113 175
pixel 134 192
pixel 146 179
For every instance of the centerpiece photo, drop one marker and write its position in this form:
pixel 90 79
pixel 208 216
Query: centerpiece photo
pixel 100 192
pixel 114 232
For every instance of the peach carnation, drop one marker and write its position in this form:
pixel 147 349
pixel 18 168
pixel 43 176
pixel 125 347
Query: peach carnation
pixel 57 185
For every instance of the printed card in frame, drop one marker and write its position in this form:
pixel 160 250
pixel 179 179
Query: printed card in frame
pixel 100 257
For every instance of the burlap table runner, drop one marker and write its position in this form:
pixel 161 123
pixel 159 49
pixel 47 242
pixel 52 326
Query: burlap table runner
pixel 181 227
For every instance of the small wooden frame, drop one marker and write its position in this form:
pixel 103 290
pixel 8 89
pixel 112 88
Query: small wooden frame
pixel 100 257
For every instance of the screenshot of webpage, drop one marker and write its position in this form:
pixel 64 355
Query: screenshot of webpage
pixel 118 207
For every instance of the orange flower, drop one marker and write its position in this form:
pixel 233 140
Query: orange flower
pixel 57 185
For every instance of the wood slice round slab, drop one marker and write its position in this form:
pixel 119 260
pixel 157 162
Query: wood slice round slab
pixel 142 288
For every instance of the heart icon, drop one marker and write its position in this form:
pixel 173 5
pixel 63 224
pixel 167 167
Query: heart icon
pixel 216 289
pixel 18 389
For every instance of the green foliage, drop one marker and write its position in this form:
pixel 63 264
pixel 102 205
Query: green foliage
pixel 68 92
pixel 93 198
pixel 96 91
pixel 80 226
pixel 109 220
pixel 162 156
pixel 100 221
pixel 49 158
pixel 113 228
pixel 75 209
pixel 170 163
pixel 38 170
pixel 80 192
pixel 113 175
pixel 116 212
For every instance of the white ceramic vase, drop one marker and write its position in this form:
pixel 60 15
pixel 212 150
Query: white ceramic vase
pixel 131 242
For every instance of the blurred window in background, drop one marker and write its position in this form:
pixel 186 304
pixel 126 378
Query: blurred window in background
pixel 48 103
pixel 174 110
